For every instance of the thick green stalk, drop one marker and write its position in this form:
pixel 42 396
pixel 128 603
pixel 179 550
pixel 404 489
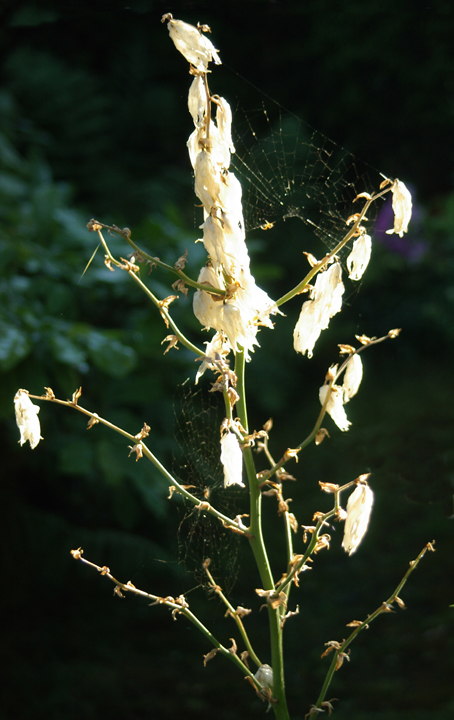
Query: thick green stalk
pixel 258 548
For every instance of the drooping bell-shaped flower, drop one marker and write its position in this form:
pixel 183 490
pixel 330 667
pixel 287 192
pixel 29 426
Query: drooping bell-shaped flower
pixel 402 206
pixel 316 313
pixel 353 376
pixel 335 406
pixel 265 675
pixel 359 257
pixel 193 45
pixel 232 460
pixel 27 419
pixel 359 507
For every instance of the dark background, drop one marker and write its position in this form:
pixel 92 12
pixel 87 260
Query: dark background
pixel 93 123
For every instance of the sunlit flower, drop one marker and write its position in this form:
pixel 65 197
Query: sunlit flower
pixel 353 376
pixel 232 460
pixel 359 507
pixel 218 346
pixel 316 313
pixel 359 257
pixel 27 419
pixel 192 44
pixel 335 406
pixel 402 208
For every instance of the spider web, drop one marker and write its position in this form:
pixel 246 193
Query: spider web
pixel 292 173
pixel 197 462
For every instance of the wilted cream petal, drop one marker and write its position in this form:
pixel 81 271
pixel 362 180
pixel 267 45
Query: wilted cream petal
pixel 316 313
pixel 359 257
pixel 192 44
pixel 197 101
pixel 265 675
pixel 353 376
pixel 402 207
pixel 27 419
pixel 335 406
pixel 359 507
pixel 232 460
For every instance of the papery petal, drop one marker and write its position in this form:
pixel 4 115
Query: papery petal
pixel 335 406
pixel 359 257
pixel 316 313
pixel 402 207
pixel 197 101
pixel 265 676
pixel 359 507
pixel 232 460
pixel 353 376
pixel 27 419
pixel 194 46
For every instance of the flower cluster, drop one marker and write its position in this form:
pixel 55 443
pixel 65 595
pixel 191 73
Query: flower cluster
pixel 243 306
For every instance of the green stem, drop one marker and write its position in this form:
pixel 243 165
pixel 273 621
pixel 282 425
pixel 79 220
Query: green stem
pixel 157 261
pixel 202 506
pixel 384 607
pixel 259 550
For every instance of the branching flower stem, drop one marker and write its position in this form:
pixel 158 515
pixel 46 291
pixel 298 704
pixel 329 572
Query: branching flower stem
pixel 179 606
pixel 144 450
pixel 233 613
pixel 125 235
pixel 354 231
pixel 384 607
pixel 259 550
pixel 285 458
pixel 132 272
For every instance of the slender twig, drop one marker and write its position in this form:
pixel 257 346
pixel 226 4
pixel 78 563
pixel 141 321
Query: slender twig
pixel 154 260
pixel 233 613
pixel 340 648
pixel 179 606
pixel 141 449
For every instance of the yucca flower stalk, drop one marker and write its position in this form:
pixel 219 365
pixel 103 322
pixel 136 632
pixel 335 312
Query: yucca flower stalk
pixel 228 302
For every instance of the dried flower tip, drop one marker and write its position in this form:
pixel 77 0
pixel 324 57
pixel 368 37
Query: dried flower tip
pixel 402 207
pixel 363 339
pixel 359 508
pixel 311 259
pixel 322 433
pixel 340 659
pixel 400 603
pixel 359 257
pixel 209 656
pixel 232 460
pixel 357 623
pixel 75 396
pixel 328 487
pixel 181 262
pixel 345 349
pixel 394 333
pixel 94 420
pixel 194 46
pixel 172 340
pixel 77 554
pixel 49 393
pixel 27 419
pixel 268 425
pixel 93 225
pixel 137 449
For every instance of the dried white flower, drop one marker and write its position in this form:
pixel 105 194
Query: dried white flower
pixel 217 346
pixel 402 208
pixel 353 376
pixel 316 313
pixel 194 46
pixel 232 460
pixel 335 406
pixel 359 257
pixel 265 676
pixel 27 419
pixel 359 507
